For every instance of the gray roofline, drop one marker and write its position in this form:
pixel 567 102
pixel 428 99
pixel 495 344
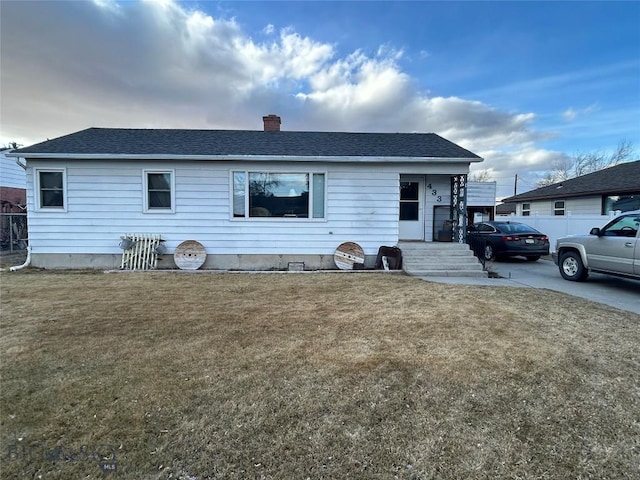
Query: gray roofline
pixel 257 158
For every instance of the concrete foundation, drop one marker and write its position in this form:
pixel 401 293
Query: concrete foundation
pixel 61 261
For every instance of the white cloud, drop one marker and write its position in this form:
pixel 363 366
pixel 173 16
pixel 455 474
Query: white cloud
pixel 571 114
pixel 71 65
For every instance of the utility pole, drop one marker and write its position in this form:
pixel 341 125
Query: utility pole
pixel 515 186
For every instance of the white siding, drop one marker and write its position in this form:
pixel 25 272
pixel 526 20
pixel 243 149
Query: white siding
pixel 591 205
pixel 11 174
pixel 583 205
pixel 105 200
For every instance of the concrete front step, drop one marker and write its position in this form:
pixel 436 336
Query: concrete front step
pixel 436 259
pixel 442 266
pixel 431 245
pixel 460 250
pixel 430 257
pixel 435 253
pixel 449 273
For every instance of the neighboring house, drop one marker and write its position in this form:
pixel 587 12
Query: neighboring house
pixel 505 209
pixel 13 203
pixel 253 199
pixel 13 184
pixel 612 189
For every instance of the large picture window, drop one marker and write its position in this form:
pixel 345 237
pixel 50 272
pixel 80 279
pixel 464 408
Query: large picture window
pixel 159 191
pixel 51 186
pixel 278 195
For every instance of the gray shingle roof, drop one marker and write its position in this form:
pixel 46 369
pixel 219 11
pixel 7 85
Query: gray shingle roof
pixel 120 141
pixel 622 178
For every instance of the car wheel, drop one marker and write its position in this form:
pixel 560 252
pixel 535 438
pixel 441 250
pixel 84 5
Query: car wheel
pixel 572 268
pixel 488 252
pixel 533 258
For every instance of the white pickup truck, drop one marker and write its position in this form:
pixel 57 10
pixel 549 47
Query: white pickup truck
pixel 613 249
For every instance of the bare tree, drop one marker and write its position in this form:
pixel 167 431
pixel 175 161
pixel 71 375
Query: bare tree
pixel 11 146
pixel 480 176
pixel 586 162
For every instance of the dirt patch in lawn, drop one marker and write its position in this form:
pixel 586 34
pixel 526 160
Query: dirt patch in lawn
pixel 282 376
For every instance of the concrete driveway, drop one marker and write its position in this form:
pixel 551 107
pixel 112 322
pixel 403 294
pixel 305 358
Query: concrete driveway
pixel 515 272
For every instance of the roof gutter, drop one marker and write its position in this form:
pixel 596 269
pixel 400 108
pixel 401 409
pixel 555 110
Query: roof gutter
pixel 253 158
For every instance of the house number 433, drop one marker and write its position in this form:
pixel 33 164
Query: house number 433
pixel 434 193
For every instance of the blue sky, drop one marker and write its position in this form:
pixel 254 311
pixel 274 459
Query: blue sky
pixel 523 84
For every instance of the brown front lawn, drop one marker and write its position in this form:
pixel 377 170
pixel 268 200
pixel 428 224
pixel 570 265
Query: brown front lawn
pixel 319 376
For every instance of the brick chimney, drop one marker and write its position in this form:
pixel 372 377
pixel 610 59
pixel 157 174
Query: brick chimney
pixel 271 123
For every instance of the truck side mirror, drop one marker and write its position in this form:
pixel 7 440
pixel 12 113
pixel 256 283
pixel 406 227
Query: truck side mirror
pixel 595 231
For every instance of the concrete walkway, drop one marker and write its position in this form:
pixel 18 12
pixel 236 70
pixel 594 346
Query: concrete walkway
pixel 616 292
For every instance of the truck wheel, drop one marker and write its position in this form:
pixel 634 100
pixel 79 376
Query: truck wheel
pixel 572 268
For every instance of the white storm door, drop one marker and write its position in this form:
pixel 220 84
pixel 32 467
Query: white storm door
pixel 411 221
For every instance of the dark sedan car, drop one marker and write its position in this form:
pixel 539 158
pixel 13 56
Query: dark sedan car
pixel 507 239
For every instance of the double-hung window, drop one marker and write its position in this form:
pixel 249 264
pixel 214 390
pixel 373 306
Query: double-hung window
pixel 51 189
pixel 159 191
pixel 278 194
pixel 526 209
pixel 558 207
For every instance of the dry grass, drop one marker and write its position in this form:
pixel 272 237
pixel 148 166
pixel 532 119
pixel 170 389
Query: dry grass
pixel 332 376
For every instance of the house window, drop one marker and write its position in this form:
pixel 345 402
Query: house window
pixel 558 208
pixel 409 201
pixel 278 195
pixel 159 188
pixel 51 189
pixel 526 209
pixel 623 203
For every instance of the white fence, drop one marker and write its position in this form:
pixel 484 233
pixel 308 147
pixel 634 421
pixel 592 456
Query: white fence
pixel 560 226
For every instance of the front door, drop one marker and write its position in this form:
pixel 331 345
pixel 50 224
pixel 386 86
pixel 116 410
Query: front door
pixel 411 222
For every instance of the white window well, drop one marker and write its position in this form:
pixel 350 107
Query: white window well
pixel 278 195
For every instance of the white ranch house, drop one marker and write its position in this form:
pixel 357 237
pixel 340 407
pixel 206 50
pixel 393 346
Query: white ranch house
pixel 253 199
